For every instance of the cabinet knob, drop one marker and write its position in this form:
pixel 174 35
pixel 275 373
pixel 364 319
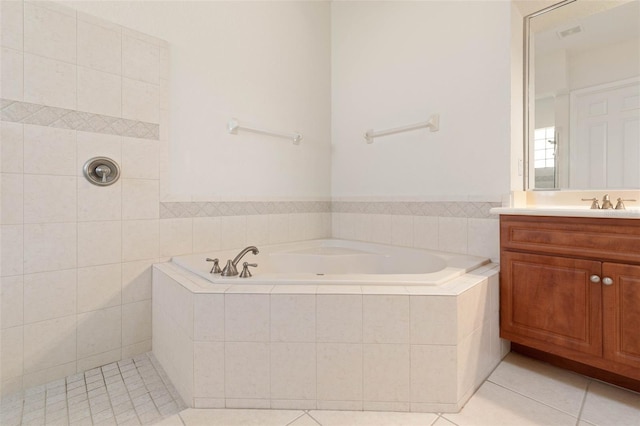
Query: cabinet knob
pixel 594 278
pixel 607 281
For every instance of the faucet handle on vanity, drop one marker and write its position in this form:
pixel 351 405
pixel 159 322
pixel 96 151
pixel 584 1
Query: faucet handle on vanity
pixel 620 204
pixel 215 269
pixel 245 269
pixel 594 203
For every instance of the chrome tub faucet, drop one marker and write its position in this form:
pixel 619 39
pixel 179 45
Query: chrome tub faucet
pixel 230 270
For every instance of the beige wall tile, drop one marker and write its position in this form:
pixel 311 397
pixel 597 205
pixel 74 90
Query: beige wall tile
pixel 484 238
pixel 339 318
pixel 99 243
pixel 339 369
pixel 293 371
pixel 140 101
pixel 98 360
pixel 49 374
pixel 206 234
pixel 11 252
pixel 140 60
pixel 433 364
pixel 385 319
pixel 233 232
pixel 452 234
pixel 136 322
pixel 382 228
pixel 49 247
pixel 246 318
pixel 140 240
pixel 140 158
pixel 49 343
pixel 49 295
pixel 258 229
pixel 386 372
pixel 11 78
pixel 99 92
pixel 12 28
pixel 129 351
pixel 11 301
pixel 425 232
pixel 49 151
pixel 140 199
pixel 136 281
pixel 50 198
pixel 99 331
pixel 99 287
pixel 278 228
pixel 247 370
pixel 96 203
pixel 49 33
pixel 176 236
pixel 12 186
pixel 11 351
pixel 99 47
pixel 208 317
pixel 208 369
pixel 433 320
pixel 12 147
pixel 293 318
pixel 402 230
pixel 49 82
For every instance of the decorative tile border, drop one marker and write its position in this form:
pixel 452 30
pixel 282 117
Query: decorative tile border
pixel 244 208
pixel 240 208
pixel 417 208
pixel 42 115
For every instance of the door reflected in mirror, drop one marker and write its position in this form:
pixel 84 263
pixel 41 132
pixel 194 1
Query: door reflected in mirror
pixel 583 96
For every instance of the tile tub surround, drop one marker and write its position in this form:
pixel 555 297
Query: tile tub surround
pixel 76 258
pixel 326 347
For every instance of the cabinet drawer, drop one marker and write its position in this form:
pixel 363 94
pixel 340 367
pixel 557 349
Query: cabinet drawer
pixel 597 238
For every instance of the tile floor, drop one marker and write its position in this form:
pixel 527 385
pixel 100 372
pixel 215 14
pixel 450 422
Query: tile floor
pixel 520 392
pixel 129 392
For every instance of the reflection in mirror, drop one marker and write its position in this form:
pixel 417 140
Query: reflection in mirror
pixel 583 96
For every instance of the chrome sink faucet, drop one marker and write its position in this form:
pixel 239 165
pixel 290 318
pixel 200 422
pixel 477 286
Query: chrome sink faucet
pixel 606 203
pixel 230 269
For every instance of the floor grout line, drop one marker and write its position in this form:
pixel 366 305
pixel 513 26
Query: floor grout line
pixel 584 400
pixel 530 398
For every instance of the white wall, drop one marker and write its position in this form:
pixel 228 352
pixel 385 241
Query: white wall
pixel 265 63
pixel 395 63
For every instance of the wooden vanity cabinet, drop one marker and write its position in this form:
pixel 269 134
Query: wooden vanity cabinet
pixel 570 293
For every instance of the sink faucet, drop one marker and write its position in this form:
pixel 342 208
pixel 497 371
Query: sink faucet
pixel 230 269
pixel 606 202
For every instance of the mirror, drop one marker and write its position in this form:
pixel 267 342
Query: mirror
pixel 582 96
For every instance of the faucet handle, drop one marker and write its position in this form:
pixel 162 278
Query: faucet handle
pixel 620 204
pixel 245 269
pixel 594 203
pixel 215 269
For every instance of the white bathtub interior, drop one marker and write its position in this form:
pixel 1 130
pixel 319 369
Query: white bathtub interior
pixel 338 262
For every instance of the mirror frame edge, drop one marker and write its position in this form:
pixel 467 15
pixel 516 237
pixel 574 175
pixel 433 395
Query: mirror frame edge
pixel 526 98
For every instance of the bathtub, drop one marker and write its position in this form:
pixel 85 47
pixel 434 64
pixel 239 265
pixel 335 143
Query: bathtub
pixel 338 262
pixel 328 324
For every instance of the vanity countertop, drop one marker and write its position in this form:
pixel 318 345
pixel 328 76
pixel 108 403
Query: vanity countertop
pixel 569 211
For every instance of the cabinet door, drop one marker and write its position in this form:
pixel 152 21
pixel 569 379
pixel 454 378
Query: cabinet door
pixel 549 303
pixel 621 302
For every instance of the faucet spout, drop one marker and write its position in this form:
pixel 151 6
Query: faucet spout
pixel 230 269
pixel 244 251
